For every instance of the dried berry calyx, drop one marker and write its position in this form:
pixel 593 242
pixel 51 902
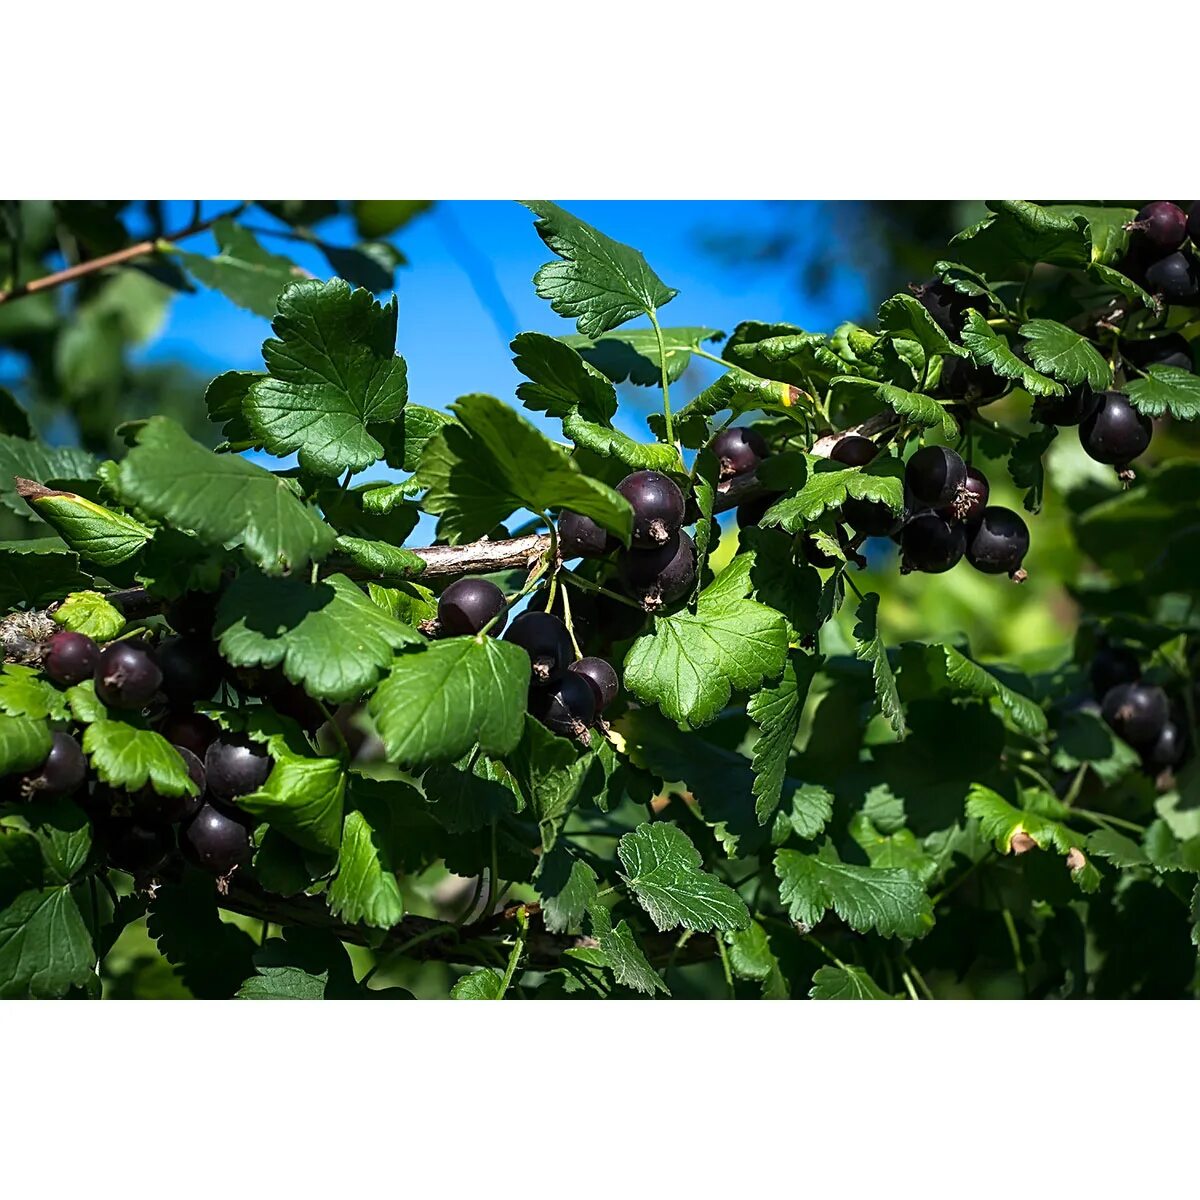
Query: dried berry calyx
pixel 657 505
pixel 545 639
pixel 738 450
pixel 468 605
pixel 972 498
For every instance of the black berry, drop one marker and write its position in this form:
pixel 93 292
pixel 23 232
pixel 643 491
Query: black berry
pixel 738 450
pixel 215 841
pixel 566 707
pixel 998 545
pixel 751 511
pixel 972 499
pixel 854 451
pixel 545 639
pixel 153 807
pixel 192 731
pixel 1136 712
pixel 947 305
pixel 603 679
pixel 467 605
pixel 872 518
pixel 291 700
pixel 70 658
pixel 963 379
pixel 236 765
pixel 658 577
pixel 127 675
pixel 934 475
pixel 191 670
pixel 1068 409
pixel 1167 749
pixel 581 537
pixel 1113 665
pixel 657 507
pixel 1114 431
pixel 1176 278
pixel 1170 350
pixel 1162 224
pixel 931 544
pixel 62 772
pixel 193 613
pixel 134 846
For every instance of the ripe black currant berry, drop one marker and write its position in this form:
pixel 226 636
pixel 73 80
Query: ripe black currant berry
pixel 61 773
pixel 235 765
pixel 1068 409
pixel 972 499
pixel 191 670
pixel 738 450
pixel 192 731
pixel 70 658
pixel 291 700
pixel 127 675
pixel 545 639
pixel 1175 278
pixel 947 305
pixel 657 507
pixel 215 841
pixel 999 543
pixel 1162 224
pixel 931 544
pixel 1167 750
pixel 617 622
pixel 963 379
pixel 567 707
pixel 1112 666
pixel 854 451
pixel 136 847
pixel 872 518
pixel 658 577
pixel 751 511
pixel 935 475
pixel 193 614
pixel 581 537
pixel 1136 712
pixel 154 808
pixel 467 605
pixel 1114 432
pixel 1170 350
pixel 603 679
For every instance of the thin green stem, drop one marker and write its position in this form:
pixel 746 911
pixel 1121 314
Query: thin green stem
pixel 908 986
pixel 514 956
pixel 337 733
pixel 1015 941
pixel 1108 819
pixel 587 585
pixel 566 607
pixel 953 887
pixel 725 965
pixel 666 386
pixel 829 954
pixel 912 968
pixel 466 912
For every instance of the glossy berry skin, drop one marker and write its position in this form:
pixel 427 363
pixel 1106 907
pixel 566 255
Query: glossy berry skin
pixel 215 841
pixel 191 670
pixel 934 476
pixel 467 605
pixel 738 450
pixel 601 676
pixel 1068 409
pixel 972 499
pixel 998 545
pixel 947 305
pixel 854 451
pixel 1114 432
pixel 1176 278
pixel 1170 350
pixel 136 847
pixel 70 658
pixel 545 639
pixel 192 731
pixel 872 518
pixel 1167 749
pixel 154 808
pixel 659 577
pixel 1161 224
pixel 931 544
pixel 1112 666
pixel 234 766
pixel 581 537
pixel 567 707
pixel 1136 712
pixel 127 675
pixel 61 773
pixel 657 507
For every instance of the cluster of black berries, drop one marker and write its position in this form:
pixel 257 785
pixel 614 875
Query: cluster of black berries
pixel 565 693
pixel 1111 430
pixel 1159 257
pixel 140 831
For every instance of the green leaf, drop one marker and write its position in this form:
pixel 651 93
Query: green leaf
pixel 406 438
pixel 845 983
pixel 242 270
pixel 899 848
pixel 45 947
pixel 612 443
pixel 915 406
pixel 1066 355
pixel 991 349
pixel 567 887
pixel 1166 389
pixel 777 710
pixel 825 485
pixel 303 627
pixel 890 901
pixel 224 398
pixel 124 756
pixel 14 420
pixel 560 380
pixel 378 218
pixel 303 797
pixel 691 663
pixel 623 955
pixel 1025 464
pixel 221 498
pixel 869 647
pixel 25 459
pixel 334 372
pixel 90 613
pixel 663 871
pixel 632 354
pixel 551 773
pixel 600 284
pixel 365 888
pixel 1121 851
pixel 381 558
pixel 37 571
pixel 95 533
pixel 24 693
pixel 735 392
pixel 904 316
pixel 24 743
pixel 751 957
pixel 494 463
pixel 484 984
pixel 1020 233
pixel 440 701
pixel 973 680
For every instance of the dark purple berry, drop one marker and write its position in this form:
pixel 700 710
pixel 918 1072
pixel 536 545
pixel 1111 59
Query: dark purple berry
pixel 854 451
pixel 972 498
pixel 1068 409
pixel 600 674
pixel 193 614
pixel 127 675
pixel 751 511
pixel 964 379
pixel 545 639
pixel 191 670
pixel 1114 432
pixel 1167 749
pixel 931 544
pixel 738 450
pixel 566 707
pixel 934 475
pixel 1170 350
pixel 70 658
pixel 998 545
pixel 291 700
pixel 467 605
pixel 657 577
pixel 1136 712
pixel 947 305
pixel 581 537
pixel 192 731
pixel 1175 278
pixel 215 841
pixel 657 506
pixel 872 518
pixel 1112 666
pixel 1162 224
pixel 235 765
pixel 136 847
pixel 61 773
